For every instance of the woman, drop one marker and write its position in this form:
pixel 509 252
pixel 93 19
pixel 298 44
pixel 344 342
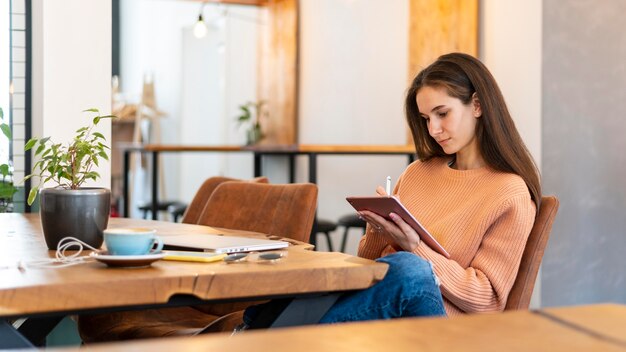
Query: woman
pixel 475 188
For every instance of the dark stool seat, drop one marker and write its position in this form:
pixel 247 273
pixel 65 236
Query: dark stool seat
pixel 145 207
pixel 326 227
pixel 176 210
pixel 349 221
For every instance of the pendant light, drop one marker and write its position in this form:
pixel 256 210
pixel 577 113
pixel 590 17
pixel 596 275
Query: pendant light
pixel 200 29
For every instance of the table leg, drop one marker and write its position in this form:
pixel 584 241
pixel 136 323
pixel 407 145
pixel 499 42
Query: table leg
pixel 294 312
pixel 313 238
pixel 11 338
pixel 313 167
pixel 155 184
pixel 37 329
pixel 126 210
pixel 257 164
pixel 313 179
pixel 292 168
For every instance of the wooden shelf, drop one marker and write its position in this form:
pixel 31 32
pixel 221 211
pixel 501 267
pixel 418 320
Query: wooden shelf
pixel 236 2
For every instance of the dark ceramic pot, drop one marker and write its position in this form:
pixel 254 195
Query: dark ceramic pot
pixel 82 213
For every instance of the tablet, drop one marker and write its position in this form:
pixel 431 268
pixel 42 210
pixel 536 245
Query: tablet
pixel 385 205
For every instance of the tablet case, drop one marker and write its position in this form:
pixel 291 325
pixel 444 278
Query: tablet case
pixel 390 204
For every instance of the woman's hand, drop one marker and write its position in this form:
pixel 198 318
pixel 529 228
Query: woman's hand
pixel 397 232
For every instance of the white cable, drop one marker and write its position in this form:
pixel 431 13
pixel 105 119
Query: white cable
pixel 62 260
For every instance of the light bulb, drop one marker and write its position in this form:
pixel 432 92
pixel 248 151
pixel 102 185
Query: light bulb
pixel 199 29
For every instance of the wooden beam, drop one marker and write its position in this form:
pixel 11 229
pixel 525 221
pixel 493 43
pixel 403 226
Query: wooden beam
pixel 438 27
pixel 277 82
pixel 236 2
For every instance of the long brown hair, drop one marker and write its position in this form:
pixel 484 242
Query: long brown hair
pixel 500 144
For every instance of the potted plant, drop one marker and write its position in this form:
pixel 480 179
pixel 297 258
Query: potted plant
pixel 7 189
pixel 68 209
pixel 252 119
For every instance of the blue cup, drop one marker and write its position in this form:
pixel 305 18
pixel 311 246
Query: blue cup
pixel 132 241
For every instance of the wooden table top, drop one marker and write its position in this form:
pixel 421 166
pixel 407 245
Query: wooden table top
pixel 510 331
pixel 607 320
pixel 295 148
pixel 94 285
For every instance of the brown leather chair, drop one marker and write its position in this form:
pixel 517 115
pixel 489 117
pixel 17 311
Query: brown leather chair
pixel 519 297
pixel 283 210
pixel 189 213
pixel 199 201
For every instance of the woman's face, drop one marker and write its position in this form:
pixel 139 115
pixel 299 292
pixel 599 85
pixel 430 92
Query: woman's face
pixel 450 122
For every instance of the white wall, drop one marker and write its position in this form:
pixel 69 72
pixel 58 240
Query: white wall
pixel 510 46
pixel 219 73
pixel 584 162
pixel 71 69
pixel 198 82
pixel 353 75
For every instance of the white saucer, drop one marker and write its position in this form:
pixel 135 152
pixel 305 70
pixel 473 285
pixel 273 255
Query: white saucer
pixel 127 261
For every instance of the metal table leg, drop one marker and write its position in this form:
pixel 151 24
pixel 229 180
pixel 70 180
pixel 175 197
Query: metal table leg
pixel 313 179
pixel 294 312
pixel 37 329
pixel 292 168
pixel 126 210
pixel 155 184
pixel 258 164
pixel 11 338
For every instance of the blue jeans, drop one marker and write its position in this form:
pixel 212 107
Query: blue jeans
pixel 409 289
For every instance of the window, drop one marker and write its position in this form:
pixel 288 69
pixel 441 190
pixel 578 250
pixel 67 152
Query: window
pixel 15 88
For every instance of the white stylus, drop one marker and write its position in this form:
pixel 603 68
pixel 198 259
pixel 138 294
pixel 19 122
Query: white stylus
pixel 388 186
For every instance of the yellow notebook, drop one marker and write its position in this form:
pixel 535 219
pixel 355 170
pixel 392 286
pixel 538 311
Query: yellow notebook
pixel 185 256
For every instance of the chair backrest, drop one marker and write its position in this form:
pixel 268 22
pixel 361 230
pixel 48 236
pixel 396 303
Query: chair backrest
pixel 195 208
pixel 285 210
pixel 519 297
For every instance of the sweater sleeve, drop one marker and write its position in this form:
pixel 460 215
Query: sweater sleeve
pixel 372 244
pixel 485 285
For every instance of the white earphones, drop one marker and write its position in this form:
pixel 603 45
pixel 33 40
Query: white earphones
pixel 62 260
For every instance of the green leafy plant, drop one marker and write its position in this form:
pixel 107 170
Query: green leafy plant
pixel 250 115
pixel 7 189
pixel 69 165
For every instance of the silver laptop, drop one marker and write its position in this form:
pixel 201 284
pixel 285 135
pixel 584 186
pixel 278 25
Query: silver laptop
pixel 221 244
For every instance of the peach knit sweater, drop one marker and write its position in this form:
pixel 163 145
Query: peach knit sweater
pixel 481 217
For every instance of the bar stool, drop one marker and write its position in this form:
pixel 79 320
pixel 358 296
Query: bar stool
pixel 176 210
pixel 349 221
pixel 145 207
pixel 326 227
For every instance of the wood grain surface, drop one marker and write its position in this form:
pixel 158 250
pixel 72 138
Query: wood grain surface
pixel 32 289
pixel 296 148
pixel 277 81
pixel 510 331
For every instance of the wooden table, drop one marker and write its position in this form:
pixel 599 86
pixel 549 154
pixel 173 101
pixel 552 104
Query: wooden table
pixel 92 287
pixel 310 150
pixel 597 328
